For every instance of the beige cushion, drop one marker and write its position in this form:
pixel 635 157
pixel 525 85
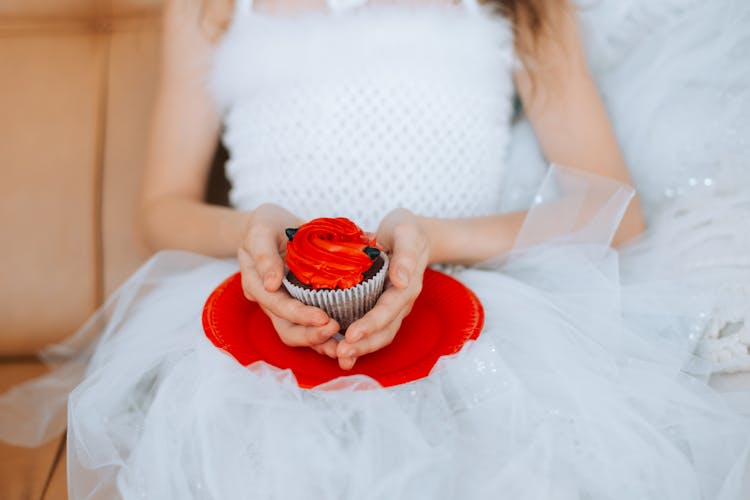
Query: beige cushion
pixel 48 198
pixel 77 86
pixel 76 93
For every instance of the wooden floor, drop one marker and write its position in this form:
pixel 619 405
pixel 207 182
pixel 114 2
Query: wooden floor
pixel 30 473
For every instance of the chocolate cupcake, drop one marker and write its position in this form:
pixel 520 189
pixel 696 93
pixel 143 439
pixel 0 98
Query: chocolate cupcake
pixel 334 265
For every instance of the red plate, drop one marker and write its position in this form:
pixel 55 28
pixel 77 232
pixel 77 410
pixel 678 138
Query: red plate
pixel 445 315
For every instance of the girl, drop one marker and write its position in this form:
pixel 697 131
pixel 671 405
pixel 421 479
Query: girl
pixel 567 114
pixel 398 116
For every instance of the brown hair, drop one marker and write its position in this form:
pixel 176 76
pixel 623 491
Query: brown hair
pixel 531 21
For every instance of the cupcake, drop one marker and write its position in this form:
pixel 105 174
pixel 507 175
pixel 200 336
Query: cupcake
pixel 334 265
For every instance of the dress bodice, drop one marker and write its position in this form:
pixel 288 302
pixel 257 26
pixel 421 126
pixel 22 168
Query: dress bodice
pixel 364 108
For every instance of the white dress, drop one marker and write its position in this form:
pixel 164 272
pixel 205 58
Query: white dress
pixel 582 385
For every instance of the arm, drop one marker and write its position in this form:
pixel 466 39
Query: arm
pixel 184 134
pixel 573 129
pixel 568 115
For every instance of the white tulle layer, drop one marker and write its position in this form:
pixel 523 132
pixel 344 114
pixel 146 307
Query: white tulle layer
pixel 577 388
pixel 584 383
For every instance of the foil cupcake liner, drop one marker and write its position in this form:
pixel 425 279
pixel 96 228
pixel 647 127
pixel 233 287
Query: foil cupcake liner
pixel 348 305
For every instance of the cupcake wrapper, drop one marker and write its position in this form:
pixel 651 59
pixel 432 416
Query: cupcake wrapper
pixel 348 305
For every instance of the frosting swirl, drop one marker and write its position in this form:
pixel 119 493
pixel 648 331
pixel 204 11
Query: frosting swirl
pixel 329 253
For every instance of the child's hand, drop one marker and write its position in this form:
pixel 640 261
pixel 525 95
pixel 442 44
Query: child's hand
pixel 262 269
pixel 401 233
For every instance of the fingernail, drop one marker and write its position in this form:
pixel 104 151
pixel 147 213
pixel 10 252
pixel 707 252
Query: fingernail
pixel 268 281
pixel 349 352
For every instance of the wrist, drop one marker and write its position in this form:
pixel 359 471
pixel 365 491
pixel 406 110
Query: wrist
pixel 432 230
pixel 472 240
pixel 244 222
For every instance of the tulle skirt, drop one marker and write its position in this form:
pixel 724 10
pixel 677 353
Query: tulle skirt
pixel 582 385
pixel 558 398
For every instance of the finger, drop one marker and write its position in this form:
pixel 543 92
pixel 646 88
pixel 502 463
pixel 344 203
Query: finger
pixel 296 335
pixel 248 273
pixel 408 247
pixel 277 302
pixel 280 303
pixel 327 348
pixel 303 336
pixel 291 309
pixel 387 308
pixel 347 363
pixel 373 342
pixel 262 245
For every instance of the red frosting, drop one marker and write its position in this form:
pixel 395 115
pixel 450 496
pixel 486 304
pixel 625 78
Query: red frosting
pixel 329 253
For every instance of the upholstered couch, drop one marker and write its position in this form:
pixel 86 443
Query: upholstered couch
pixel 78 79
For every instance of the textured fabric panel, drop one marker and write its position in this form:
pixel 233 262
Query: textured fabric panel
pixel 48 199
pixel 392 107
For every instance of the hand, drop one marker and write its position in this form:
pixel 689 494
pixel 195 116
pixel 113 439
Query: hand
pixel 403 236
pixel 262 269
